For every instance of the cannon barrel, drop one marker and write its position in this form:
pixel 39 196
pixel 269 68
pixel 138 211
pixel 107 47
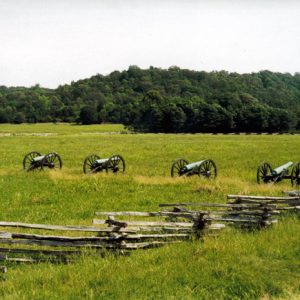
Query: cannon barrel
pixel 101 161
pixel 191 166
pixel 38 158
pixel 282 168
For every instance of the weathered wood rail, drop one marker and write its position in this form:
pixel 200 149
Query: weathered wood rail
pixel 62 228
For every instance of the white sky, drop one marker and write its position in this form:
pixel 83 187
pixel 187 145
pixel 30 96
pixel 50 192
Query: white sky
pixel 53 42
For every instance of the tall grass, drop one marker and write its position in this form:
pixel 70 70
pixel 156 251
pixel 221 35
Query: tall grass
pixel 235 265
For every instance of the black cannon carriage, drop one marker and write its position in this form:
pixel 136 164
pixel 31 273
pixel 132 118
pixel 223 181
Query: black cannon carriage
pixel 36 161
pixel 94 164
pixel 265 173
pixel 203 168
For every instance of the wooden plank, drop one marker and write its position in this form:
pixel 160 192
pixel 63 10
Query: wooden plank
pixel 216 205
pixel 13 235
pixel 252 216
pixel 297 207
pixel 5 235
pixel 30 260
pixel 259 211
pixel 239 220
pixel 129 246
pixel 148 214
pixel 256 211
pixel 62 228
pixel 207 212
pixel 100 222
pixel 74 244
pixel 251 213
pixel 22 260
pixel 118 238
pixel 190 214
pixel 251 201
pixel 53 259
pixel 156 236
pixel 161 229
pixel 265 202
pixel 112 222
pixel 145 223
pixel 261 197
pixel 175 229
pixel 215 226
pixel 269 222
pixel 127 213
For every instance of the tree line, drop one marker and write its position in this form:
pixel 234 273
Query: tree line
pixel 164 100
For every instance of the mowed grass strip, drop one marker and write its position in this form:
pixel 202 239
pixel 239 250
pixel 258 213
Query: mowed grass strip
pixel 235 265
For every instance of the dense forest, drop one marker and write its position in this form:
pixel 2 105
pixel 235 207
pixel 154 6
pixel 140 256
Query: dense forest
pixel 160 100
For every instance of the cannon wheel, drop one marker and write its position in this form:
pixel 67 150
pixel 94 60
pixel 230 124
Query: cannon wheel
pixel 116 163
pixel 208 169
pixel 28 159
pixel 295 176
pixel 88 163
pixel 263 170
pixel 177 165
pixel 52 160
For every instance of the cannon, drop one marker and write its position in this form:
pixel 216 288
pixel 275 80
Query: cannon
pixel 94 164
pixel 265 173
pixel 36 161
pixel 206 168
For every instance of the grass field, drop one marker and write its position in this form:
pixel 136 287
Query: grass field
pixel 235 265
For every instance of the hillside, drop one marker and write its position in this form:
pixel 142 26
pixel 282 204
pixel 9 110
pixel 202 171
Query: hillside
pixel 159 100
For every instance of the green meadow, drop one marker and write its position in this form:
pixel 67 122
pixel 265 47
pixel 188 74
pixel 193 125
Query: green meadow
pixel 235 265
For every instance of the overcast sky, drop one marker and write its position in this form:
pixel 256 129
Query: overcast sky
pixel 53 42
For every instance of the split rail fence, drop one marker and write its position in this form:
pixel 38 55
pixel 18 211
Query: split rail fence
pixel 124 231
pixel 120 236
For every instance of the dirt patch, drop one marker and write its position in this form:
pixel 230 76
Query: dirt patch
pixel 158 180
pixel 28 134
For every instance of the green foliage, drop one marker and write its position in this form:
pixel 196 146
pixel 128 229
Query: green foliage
pixel 19 118
pixel 158 100
pixel 88 115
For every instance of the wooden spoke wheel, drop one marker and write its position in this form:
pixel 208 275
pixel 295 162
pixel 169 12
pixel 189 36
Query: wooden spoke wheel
pixel 264 173
pixel 28 162
pixel 116 163
pixel 51 161
pixel 90 165
pixel 177 168
pixel 295 175
pixel 208 169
